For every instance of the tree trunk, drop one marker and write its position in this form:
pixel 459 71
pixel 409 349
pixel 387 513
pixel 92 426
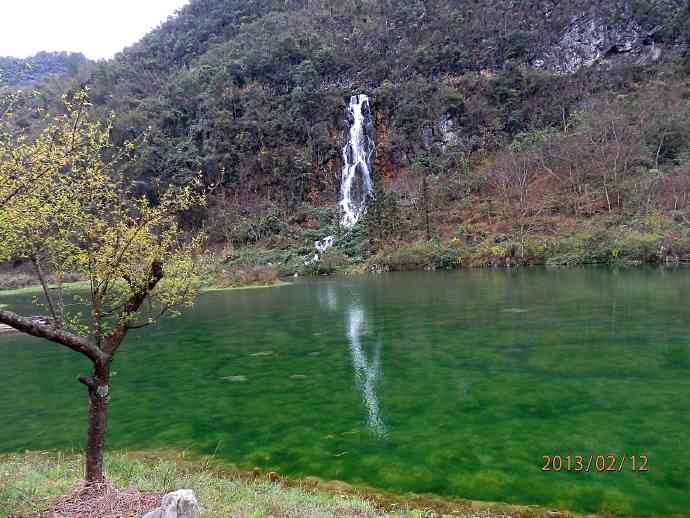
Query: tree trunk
pixel 425 195
pixel 99 388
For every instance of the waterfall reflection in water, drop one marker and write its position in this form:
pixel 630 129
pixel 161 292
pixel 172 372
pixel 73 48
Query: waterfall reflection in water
pixel 367 370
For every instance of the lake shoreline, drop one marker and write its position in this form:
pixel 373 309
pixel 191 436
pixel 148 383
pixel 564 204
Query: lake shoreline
pixel 285 280
pixel 59 473
pixel 38 289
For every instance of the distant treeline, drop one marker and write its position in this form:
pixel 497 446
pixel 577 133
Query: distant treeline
pixel 18 71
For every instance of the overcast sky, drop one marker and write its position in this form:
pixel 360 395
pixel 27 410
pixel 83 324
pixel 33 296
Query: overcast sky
pixel 97 28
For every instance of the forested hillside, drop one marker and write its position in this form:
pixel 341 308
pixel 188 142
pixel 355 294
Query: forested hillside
pixel 507 125
pixel 18 72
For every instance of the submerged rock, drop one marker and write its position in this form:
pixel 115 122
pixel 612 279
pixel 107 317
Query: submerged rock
pixel 238 379
pixel 180 504
pixel 515 310
pixel 4 330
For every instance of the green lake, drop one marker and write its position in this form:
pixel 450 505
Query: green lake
pixel 449 383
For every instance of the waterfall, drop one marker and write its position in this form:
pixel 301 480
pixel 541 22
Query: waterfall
pixel 321 246
pixel 356 185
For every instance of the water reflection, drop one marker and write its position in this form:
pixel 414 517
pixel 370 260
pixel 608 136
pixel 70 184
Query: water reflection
pixel 328 296
pixel 367 371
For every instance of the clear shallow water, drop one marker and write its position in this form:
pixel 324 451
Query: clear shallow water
pixel 455 384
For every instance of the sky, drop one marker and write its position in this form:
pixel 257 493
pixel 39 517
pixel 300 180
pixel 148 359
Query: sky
pixel 97 28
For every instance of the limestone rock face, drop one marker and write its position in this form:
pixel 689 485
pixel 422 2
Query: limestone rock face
pixel 180 504
pixel 442 135
pixel 593 38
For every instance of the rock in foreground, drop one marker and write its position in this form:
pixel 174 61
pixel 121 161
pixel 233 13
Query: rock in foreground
pixel 180 504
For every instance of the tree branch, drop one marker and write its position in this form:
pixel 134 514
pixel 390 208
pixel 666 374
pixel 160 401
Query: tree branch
pixel 74 342
pixel 135 301
pixel 46 291
pixel 89 382
pixel 151 321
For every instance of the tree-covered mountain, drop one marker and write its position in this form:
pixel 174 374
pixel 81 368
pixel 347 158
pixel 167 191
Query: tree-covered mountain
pixel 253 94
pixel 24 71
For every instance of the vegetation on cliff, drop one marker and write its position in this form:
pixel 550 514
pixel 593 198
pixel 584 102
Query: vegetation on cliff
pixel 497 122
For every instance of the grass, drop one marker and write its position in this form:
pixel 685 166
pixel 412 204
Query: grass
pixel 37 289
pixel 32 482
pixel 31 290
pixel 277 284
pixel 28 482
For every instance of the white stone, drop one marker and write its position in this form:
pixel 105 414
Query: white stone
pixel 180 504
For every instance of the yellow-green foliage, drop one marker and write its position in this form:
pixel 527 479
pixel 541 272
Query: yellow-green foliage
pixel 413 256
pixel 422 255
pixel 490 253
pixel 67 210
pixel 637 245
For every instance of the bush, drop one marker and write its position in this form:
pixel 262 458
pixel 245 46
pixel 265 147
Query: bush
pixel 329 263
pixel 413 256
pixel 446 259
pixel 637 247
pixel 355 244
pixel 580 248
pixel 250 275
pixel 493 252
pixel 255 229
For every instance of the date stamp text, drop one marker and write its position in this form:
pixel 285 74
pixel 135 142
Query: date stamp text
pixel 596 463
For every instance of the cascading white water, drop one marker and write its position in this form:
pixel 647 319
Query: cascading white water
pixel 321 247
pixel 356 185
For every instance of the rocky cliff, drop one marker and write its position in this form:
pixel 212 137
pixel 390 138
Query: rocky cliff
pixel 253 92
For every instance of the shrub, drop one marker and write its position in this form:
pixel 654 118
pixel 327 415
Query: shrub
pixel 493 253
pixel 446 259
pixel 415 256
pixel 329 263
pixel 249 275
pixel 581 248
pixel 638 246
pixel 406 257
pixel 254 229
pixel 355 244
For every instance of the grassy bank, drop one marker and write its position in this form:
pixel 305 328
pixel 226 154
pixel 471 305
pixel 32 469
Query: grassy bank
pixel 74 286
pixel 36 289
pixel 276 284
pixel 455 242
pixel 37 482
pixel 653 239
